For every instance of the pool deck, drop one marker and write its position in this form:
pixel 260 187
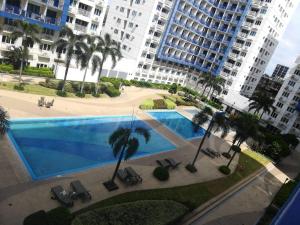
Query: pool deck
pixel 20 196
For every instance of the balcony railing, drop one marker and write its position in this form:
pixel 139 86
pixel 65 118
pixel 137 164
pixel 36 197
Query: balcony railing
pixel 80 28
pixel 84 12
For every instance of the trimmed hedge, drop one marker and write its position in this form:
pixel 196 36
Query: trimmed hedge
pixel 161 173
pixel 56 216
pixel 149 212
pixel 112 92
pixel 170 104
pixel 6 68
pixel 159 104
pixel 147 104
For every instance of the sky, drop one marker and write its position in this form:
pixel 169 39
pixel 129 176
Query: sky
pixel 289 46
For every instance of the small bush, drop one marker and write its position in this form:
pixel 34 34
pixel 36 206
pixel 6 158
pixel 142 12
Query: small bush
pixel 225 170
pixel 112 92
pixel 147 104
pixel 37 218
pixel 161 173
pixel 6 68
pixel 80 95
pixel 96 95
pixel 61 93
pixel 59 216
pixel 159 104
pixel 19 87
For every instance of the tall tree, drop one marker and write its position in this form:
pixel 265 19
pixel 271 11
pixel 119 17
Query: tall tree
pixel 71 44
pixel 215 84
pixel 218 123
pixel 4 123
pixel 88 56
pixel 235 149
pixel 261 101
pixel 15 56
pixel 125 144
pixel 29 33
pixel 204 81
pixel 108 48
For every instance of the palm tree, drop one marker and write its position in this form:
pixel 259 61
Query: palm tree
pixel 4 123
pixel 15 56
pixel 108 48
pixel 261 101
pixel 88 56
pixel 29 33
pixel 125 144
pixel 245 126
pixel 72 44
pixel 204 80
pixel 236 149
pixel 218 123
pixel 215 84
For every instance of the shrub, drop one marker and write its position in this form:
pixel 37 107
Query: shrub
pixel 159 104
pixel 284 193
pixel 214 104
pixel 173 89
pixel 225 170
pixel 19 87
pixel 112 92
pixel 147 104
pixel 80 95
pixel 6 68
pixel 170 104
pixel 61 93
pixel 161 173
pixel 158 212
pixel 59 216
pixel 37 218
pixel 96 95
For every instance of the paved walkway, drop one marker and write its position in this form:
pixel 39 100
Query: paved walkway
pixel 20 196
pixel 247 205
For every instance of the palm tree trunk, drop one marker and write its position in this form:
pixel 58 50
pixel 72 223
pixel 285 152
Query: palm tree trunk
pixel 83 81
pixel 99 76
pixel 202 142
pixel 231 159
pixel 21 70
pixel 65 77
pixel 118 164
pixel 209 91
pixel 204 90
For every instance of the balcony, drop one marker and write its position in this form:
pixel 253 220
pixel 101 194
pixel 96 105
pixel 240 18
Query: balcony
pixel 56 5
pixel 80 28
pixel 9 28
pixel 84 12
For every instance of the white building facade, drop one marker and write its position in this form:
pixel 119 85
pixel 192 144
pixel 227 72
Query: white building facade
pixel 287 103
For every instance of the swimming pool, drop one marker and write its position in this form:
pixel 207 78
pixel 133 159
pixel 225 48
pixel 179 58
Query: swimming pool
pixel 51 147
pixel 177 123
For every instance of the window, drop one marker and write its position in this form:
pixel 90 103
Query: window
pixel 97 12
pixel 45 47
pixel 279 104
pixel 274 115
pixel 284 120
pixel 292 83
pixel 7 39
pixel 40 65
pixel 94 26
pixel 285 94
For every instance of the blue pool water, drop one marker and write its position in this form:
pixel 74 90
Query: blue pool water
pixel 51 147
pixel 177 123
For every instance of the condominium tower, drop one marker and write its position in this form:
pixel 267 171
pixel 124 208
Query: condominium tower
pixel 83 16
pixel 175 41
pixel 287 103
pixel 280 71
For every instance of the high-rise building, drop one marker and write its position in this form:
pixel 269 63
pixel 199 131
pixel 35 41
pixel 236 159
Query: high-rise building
pixel 270 85
pixel 287 103
pixel 175 41
pixel 83 16
pixel 280 71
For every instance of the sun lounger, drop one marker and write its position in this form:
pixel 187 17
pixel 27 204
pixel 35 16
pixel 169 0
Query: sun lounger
pixel 172 162
pixel 163 163
pixel 62 196
pixel 123 175
pixel 132 174
pixel 207 153
pixel 49 104
pixel 80 190
pixel 213 152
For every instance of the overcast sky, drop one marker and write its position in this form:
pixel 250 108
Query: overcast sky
pixel 289 46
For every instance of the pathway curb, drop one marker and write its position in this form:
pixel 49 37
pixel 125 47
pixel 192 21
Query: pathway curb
pixel 214 202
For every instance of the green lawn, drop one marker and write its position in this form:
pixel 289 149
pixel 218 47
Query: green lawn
pixel 193 195
pixel 36 89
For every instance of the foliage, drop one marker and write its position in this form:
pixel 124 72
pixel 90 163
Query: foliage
pixel 147 104
pixel 15 56
pixel 145 84
pixel 29 88
pixel 59 216
pixel 214 104
pixel 112 92
pixel 62 93
pixel 56 216
pixel 4 121
pixel 80 95
pixel 261 101
pixel 170 104
pixel 192 195
pixel 37 218
pixel 291 139
pixel 115 81
pixel 225 170
pixel 161 173
pixel 173 89
pixel 189 91
pixel 139 212
pixel 6 68
pixel 159 104
pixel 19 87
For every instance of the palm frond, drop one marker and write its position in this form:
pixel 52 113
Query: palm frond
pixel 143 132
pixel 4 121
pixel 132 147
